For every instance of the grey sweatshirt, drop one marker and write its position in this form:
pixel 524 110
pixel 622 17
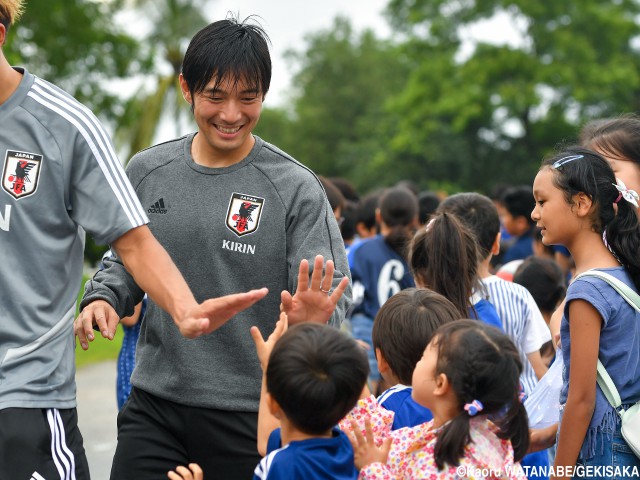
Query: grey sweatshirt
pixel 228 230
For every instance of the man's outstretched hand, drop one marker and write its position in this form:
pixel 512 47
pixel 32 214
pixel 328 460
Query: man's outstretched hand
pixel 199 320
pixel 215 312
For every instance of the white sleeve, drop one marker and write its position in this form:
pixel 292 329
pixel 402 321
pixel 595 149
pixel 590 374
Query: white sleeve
pixel 536 332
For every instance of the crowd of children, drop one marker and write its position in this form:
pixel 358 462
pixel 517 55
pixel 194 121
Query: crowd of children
pixel 449 403
pixel 460 304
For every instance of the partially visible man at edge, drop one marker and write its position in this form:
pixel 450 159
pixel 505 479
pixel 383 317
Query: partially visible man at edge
pixel 60 177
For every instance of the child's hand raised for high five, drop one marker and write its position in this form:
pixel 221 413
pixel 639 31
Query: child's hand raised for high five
pixel 194 472
pixel 263 348
pixel 365 451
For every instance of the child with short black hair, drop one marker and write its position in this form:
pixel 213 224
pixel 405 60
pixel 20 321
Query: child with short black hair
pixel 518 203
pixel 402 329
pixel 428 202
pixel 468 374
pixel 544 279
pixel 366 224
pixel 313 376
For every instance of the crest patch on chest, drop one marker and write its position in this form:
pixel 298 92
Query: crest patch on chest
pixel 20 173
pixel 243 214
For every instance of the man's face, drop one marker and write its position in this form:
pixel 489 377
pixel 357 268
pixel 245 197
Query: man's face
pixel 226 114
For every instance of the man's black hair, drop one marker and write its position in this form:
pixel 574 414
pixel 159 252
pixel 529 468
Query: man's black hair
pixel 228 49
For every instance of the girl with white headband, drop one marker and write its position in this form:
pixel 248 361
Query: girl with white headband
pixel 580 204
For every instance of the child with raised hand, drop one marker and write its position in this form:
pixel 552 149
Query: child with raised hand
pixel 469 372
pixel 581 205
pixel 313 376
pixel 402 329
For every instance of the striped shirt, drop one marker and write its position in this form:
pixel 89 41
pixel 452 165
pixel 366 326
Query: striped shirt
pixel 521 320
pixel 60 178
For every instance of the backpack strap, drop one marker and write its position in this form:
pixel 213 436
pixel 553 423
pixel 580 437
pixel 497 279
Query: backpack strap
pixel 619 286
pixel 607 386
pixel 604 380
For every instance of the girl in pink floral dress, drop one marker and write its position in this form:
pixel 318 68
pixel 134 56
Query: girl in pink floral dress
pixel 468 373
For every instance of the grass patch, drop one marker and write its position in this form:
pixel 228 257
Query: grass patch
pixel 100 349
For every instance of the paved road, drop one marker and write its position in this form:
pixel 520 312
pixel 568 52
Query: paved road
pixel 97 411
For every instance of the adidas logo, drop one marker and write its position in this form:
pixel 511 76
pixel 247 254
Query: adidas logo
pixel 158 207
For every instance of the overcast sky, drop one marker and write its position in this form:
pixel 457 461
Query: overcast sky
pixel 288 21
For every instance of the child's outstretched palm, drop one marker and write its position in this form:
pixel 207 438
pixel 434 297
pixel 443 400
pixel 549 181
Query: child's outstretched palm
pixel 365 451
pixel 264 347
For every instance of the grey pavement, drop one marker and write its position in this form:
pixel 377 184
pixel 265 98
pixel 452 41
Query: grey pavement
pixel 97 412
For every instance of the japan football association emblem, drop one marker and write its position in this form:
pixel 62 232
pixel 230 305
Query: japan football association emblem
pixel 21 173
pixel 243 215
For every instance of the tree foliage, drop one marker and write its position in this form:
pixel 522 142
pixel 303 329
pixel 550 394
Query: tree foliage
pixel 426 106
pixel 76 45
pixel 492 116
pixel 172 25
pixel 343 82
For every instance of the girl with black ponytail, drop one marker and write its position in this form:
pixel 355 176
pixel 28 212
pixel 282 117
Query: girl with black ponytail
pixel 580 204
pixel 469 378
pixel 379 267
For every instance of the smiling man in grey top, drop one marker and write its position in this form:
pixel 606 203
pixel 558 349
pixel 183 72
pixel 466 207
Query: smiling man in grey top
pixel 234 212
pixel 60 178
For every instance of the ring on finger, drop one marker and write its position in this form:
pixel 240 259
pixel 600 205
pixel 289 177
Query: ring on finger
pixel 325 291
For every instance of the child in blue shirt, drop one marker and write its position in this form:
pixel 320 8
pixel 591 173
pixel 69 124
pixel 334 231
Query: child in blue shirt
pixel 313 376
pixel 516 218
pixel 402 329
pixel 379 268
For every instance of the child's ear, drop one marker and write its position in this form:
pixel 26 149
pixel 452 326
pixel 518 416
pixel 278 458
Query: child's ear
pixel 442 385
pixel 383 366
pixel 495 248
pixel 274 407
pixel 582 203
